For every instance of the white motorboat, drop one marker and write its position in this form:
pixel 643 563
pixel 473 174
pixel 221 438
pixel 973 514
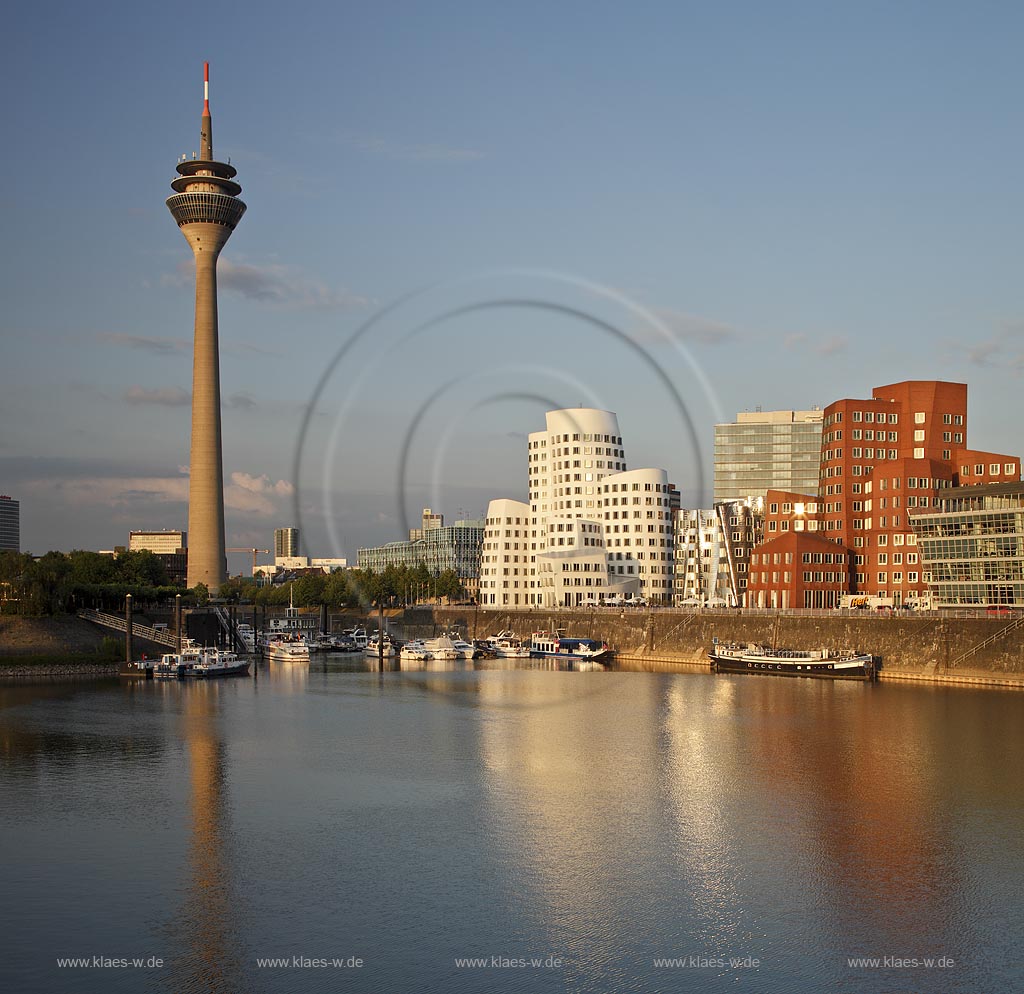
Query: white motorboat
pixel 247 636
pixel 466 650
pixel 175 665
pixel 293 648
pixel 508 645
pixel 442 648
pixel 374 648
pixel 415 650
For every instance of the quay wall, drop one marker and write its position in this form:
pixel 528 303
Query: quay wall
pixel 909 646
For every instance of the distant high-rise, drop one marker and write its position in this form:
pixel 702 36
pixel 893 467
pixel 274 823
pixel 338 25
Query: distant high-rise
pixel 10 524
pixel 286 542
pixel 206 207
pixel 767 450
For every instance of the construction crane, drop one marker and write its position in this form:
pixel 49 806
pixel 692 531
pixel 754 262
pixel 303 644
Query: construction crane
pixel 255 553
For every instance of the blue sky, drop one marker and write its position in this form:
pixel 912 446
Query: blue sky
pixel 812 198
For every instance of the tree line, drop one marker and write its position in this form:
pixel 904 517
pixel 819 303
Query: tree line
pixel 61 582
pixel 394 586
pixel 67 582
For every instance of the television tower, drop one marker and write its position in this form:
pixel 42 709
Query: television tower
pixel 206 206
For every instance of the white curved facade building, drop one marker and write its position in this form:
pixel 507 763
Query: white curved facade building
pixel 579 447
pixel 637 518
pixel 581 537
pixel 505 558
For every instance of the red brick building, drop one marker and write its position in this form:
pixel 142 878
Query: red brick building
pixel 882 458
pixel 886 456
pixel 797 565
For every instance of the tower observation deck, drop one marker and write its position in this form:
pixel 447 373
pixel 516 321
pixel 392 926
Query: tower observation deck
pixel 206 207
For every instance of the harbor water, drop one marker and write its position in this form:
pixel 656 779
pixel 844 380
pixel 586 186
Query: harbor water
pixel 334 828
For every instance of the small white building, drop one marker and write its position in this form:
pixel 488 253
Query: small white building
pixel 505 557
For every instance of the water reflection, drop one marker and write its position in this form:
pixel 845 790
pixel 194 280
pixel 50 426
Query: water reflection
pixel 607 818
pixel 570 777
pixel 208 925
pixel 843 794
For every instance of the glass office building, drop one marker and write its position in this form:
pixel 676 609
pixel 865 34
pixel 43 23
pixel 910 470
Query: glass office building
pixel 972 547
pixel 767 450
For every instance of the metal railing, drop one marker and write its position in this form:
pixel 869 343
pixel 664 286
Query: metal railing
pixel 117 623
pixel 1011 627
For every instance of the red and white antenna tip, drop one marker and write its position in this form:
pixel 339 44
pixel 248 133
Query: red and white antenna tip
pixel 206 87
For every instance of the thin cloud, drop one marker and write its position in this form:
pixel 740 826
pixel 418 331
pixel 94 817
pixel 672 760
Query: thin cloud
pixel 1003 348
pixel 240 402
pixel 145 343
pixel 244 493
pixel 683 327
pixel 161 396
pixel 117 491
pixel 276 285
pixel 834 345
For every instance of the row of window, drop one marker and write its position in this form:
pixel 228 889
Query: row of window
pixel 559 439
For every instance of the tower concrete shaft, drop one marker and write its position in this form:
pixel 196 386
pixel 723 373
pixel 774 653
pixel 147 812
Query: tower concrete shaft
pixel 206 207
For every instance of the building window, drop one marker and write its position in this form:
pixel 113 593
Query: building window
pixel 919 417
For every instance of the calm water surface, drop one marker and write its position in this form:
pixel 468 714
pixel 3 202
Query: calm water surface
pixel 597 823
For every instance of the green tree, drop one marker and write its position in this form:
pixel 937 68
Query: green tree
pixel 339 591
pixel 201 592
pixel 91 567
pixel 449 585
pixel 308 590
pixel 141 567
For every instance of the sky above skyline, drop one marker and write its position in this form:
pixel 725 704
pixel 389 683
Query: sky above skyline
pixel 461 215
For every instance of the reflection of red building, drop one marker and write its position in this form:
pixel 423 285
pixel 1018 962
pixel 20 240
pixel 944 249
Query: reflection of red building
pixel 797 565
pixel 881 459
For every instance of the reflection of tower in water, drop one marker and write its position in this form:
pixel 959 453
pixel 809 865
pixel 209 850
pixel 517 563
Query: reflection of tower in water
pixel 208 925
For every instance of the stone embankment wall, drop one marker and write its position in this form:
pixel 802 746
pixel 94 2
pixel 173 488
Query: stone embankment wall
pixel 910 644
pixel 60 634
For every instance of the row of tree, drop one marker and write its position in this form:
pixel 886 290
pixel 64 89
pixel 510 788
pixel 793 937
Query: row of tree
pixel 59 582
pixel 66 582
pixel 393 586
